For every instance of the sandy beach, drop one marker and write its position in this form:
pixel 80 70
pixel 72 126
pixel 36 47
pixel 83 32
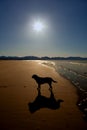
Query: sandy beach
pixel 22 107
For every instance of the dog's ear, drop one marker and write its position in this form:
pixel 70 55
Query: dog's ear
pixel 34 75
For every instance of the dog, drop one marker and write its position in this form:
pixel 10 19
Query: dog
pixel 42 80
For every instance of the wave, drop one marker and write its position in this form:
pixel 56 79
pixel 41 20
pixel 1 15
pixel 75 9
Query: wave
pixel 78 76
pixel 76 72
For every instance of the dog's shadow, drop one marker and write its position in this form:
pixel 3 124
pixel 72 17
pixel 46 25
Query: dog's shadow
pixel 44 102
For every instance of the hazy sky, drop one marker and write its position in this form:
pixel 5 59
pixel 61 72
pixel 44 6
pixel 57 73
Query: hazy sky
pixel 64 33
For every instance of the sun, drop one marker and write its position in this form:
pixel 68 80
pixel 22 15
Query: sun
pixel 38 26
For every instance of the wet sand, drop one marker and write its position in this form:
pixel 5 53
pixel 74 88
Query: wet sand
pixel 23 107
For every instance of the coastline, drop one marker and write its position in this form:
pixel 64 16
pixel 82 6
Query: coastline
pixel 82 94
pixel 22 89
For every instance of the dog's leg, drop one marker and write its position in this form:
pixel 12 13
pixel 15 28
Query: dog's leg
pixel 39 92
pixel 50 84
pixel 38 86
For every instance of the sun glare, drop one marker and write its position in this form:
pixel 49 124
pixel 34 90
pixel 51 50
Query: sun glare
pixel 38 26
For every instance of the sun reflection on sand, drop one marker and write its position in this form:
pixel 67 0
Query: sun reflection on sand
pixel 43 62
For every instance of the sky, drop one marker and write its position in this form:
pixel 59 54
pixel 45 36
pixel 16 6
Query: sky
pixel 64 33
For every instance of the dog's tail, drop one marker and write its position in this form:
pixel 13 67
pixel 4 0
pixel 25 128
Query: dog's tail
pixel 54 81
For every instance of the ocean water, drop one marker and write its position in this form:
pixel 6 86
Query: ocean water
pixel 75 71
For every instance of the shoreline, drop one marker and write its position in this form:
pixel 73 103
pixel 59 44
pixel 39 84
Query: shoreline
pixel 82 94
pixel 22 90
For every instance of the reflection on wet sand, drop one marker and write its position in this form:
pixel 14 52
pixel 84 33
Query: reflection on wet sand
pixel 44 102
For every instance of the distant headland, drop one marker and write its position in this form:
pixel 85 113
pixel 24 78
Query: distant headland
pixel 40 58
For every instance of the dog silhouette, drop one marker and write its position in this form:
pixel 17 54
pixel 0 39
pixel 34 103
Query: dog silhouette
pixel 42 80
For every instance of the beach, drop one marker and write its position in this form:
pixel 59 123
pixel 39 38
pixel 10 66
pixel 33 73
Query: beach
pixel 20 107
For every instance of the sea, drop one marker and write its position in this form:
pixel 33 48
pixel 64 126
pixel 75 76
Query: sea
pixel 75 71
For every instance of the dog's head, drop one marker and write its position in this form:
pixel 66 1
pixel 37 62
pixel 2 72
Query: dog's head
pixel 34 76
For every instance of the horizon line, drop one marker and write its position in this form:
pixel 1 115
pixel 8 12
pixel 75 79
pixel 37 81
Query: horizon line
pixel 44 56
